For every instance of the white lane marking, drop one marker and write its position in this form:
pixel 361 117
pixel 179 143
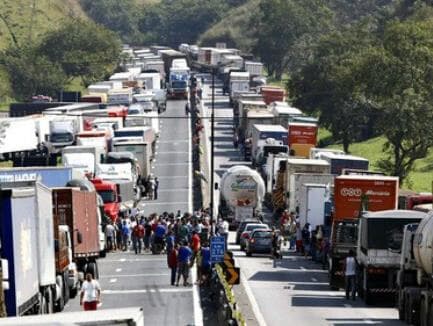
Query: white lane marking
pixel 252 299
pixel 198 311
pixel 172 177
pixel 302 268
pixel 347 305
pixel 190 195
pixel 147 291
pixel 174 141
pixel 118 270
pixel 152 167
pixel 173 152
pixel 133 275
pixel 113 280
pixel 122 259
pixel 314 279
pixel 368 321
pixel 172 190
pixel 309 283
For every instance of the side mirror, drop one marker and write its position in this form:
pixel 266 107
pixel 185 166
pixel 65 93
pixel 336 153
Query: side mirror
pixel 79 237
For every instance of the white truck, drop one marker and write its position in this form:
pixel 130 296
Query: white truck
pixel 150 80
pixel 239 83
pixel 62 133
pixel 150 118
pixel 284 113
pixel 242 192
pixel 267 139
pixel 141 150
pixel 17 135
pixel 121 96
pixel 304 187
pixel 83 158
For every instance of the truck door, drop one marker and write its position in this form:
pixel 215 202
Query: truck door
pixel 315 205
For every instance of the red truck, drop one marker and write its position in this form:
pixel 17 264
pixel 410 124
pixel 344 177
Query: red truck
pixel 77 209
pixel 108 191
pixel 352 195
pixel 273 94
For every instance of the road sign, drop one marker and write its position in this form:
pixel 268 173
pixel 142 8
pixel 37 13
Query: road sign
pixel 217 249
pixel 232 275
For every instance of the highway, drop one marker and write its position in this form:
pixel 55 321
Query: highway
pixel 294 289
pixel 129 280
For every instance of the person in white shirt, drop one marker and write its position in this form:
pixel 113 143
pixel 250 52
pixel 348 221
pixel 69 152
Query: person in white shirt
pixel 350 275
pixel 90 294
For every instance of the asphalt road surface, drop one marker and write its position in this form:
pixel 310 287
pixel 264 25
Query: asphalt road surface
pixel 293 290
pixel 172 162
pixel 129 280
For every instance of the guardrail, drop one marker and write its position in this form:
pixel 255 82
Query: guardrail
pixel 228 313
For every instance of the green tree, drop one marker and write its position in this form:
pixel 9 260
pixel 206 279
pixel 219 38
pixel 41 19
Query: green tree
pixel 82 49
pixel 281 23
pixel 327 85
pixel 396 77
pixel 31 73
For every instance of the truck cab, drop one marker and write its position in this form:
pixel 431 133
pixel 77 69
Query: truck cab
pixel 108 192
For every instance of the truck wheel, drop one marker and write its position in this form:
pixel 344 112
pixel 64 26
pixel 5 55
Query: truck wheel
pixel 103 253
pixel 408 314
pixel 60 304
pixel 73 292
pixel 66 285
pixel 249 253
pixel 50 300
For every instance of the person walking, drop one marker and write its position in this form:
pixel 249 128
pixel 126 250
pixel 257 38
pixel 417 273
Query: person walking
pixel 147 234
pixel 183 261
pixel 155 188
pixel 172 258
pixel 350 274
pixel 90 294
pixel 110 233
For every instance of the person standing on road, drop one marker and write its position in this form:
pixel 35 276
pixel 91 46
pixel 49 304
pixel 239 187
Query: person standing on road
pixel 90 294
pixel 125 235
pixel 172 262
pixel 155 189
pixel 350 274
pixel 147 234
pixel 110 232
pixel 137 237
pixel 223 230
pixel 183 261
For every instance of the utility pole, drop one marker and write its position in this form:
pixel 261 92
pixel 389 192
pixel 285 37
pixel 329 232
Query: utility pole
pixel 212 182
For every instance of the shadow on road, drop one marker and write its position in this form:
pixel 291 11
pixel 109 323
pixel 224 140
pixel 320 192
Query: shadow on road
pixel 361 321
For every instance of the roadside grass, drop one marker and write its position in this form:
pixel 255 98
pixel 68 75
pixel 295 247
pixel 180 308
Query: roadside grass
pixel 420 179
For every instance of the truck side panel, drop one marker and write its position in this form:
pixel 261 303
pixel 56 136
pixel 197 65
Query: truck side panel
pixel 18 234
pixel 45 227
pixel 86 222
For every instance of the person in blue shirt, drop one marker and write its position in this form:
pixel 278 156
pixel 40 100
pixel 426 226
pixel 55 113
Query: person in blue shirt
pixel 125 235
pixel 183 261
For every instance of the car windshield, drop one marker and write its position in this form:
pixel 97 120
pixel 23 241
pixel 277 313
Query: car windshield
pixel 262 234
pixel 133 111
pixel 108 196
pixel 179 84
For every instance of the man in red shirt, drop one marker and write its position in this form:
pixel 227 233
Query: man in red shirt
pixel 137 237
pixel 195 242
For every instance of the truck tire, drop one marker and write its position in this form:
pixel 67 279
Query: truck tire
pixel 49 295
pixel 60 304
pixel 103 253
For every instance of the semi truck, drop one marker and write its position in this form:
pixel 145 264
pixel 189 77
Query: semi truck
pixel 62 133
pixel 48 176
pixel 110 197
pixel 380 236
pixel 261 144
pixel 12 129
pixel 414 281
pixel 83 158
pixel 77 209
pixel 242 192
pixel 302 137
pixel 339 162
pixel 142 152
pixel 178 83
pixel 354 194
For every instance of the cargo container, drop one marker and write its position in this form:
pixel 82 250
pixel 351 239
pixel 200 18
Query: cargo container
pixel 339 162
pixel 382 194
pixel 254 68
pixel 297 180
pixel 312 204
pixel 284 113
pixel 302 137
pixel 48 176
pixel 142 152
pixel 167 57
pixel 77 209
pixel 19 247
pixel 150 80
pixel 273 94
pixel 316 152
pixel 121 96
pixel 266 138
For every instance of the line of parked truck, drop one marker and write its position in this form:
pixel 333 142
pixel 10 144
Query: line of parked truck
pixel 357 209
pixel 76 167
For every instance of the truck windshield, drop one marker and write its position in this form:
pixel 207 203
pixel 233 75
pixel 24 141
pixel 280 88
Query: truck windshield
pixel 61 137
pixel 179 84
pixel 108 196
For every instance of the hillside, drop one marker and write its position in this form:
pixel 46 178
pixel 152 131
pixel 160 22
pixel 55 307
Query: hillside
pixel 21 20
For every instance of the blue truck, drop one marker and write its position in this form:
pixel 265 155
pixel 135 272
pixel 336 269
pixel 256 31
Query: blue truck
pixel 48 176
pixel 339 162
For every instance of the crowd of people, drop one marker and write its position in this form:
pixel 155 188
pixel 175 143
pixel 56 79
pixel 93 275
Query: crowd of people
pixel 304 239
pixel 184 238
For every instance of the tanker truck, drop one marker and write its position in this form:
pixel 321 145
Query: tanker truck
pixel 242 192
pixel 415 277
